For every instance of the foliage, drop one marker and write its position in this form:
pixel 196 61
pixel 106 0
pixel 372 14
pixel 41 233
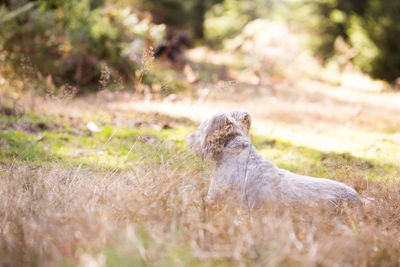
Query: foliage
pixel 175 13
pixel 371 27
pixel 227 19
pixel 180 14
pixel 73 40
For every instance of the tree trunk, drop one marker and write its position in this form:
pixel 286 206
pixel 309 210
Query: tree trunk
pixel 200 11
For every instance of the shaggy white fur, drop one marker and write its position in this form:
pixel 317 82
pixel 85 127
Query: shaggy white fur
pixel 239 167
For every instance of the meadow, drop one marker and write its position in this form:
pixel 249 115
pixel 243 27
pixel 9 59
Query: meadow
pixel 132 194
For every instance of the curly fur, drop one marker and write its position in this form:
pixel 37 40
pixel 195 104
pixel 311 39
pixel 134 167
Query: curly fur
pixel 224 139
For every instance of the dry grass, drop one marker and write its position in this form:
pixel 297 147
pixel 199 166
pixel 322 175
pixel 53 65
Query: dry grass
pixel 152 213
pixel 155 215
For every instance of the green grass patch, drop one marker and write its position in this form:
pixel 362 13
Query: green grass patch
pixel 307 161
pixel 58 140
pixel 17 145
pixel 111 147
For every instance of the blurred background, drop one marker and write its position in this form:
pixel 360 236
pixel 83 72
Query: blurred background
pixel 91 45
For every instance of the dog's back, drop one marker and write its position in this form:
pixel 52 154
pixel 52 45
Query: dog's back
pixel 242 167
pixel 295 186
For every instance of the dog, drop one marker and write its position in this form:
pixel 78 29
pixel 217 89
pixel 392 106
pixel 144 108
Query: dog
pixel 224 139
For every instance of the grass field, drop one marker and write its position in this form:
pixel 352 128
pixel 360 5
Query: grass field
pixel 131 194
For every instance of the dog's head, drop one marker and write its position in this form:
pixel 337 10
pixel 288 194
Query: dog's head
pixel 213 133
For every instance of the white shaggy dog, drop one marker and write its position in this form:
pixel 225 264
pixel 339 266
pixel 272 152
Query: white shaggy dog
pixel 224 139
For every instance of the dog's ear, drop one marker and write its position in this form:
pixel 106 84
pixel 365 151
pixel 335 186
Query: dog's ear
pixel 228 121
pixel 218 122
pixel 218 131
pixel 243 118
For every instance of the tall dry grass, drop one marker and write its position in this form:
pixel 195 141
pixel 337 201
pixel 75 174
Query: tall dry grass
pixel 155 214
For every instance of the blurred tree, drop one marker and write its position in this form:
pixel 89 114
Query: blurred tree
pixel 227 19
pixel 4 2
pixel 180 14
pixel 371 27
pixel 200 8
pixel 71 40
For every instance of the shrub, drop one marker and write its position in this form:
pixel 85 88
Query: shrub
pixel 371 27
pixel 72 40
pixel 227 19
pixel 179 14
